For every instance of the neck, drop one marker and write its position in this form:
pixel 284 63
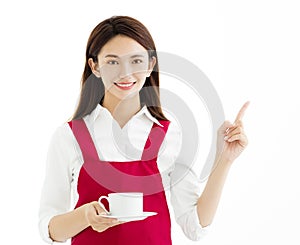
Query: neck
pixel 122 109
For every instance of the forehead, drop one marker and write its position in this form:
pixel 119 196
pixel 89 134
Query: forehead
pixel 121 46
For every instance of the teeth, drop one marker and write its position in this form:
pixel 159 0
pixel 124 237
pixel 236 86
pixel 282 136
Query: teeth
pixel 124 84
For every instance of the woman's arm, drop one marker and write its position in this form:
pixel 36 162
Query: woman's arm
pixel 208 202
pixel 230 144
pixel 55 222
pixel 65 226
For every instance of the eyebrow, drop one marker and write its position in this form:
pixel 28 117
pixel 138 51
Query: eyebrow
pixel 116 56
pixel 111 56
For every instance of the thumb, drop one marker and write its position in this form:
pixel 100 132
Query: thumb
pixel 226 124
pixel 99 209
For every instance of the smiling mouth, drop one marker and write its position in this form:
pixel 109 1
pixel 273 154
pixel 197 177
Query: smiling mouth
pixel 125 85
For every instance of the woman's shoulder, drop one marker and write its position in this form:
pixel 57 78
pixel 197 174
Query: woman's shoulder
pixel 174 124
pixel 173 137
pixel 62 134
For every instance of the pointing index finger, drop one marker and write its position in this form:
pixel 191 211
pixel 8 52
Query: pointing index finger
pixel 242 111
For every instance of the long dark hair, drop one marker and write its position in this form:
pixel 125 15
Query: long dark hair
pixel 92 88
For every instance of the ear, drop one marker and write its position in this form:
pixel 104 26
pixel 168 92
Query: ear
pixel 152 63
pixel 94 67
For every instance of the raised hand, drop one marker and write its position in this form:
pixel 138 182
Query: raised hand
pixel 232 139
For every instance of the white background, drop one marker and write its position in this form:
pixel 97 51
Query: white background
pixel 250 51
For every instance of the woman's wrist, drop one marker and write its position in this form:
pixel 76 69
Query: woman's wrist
pixel 65 226
pixel 84 210
pixel 223 160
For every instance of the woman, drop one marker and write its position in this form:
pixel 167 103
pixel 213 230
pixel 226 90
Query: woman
pixel 120 95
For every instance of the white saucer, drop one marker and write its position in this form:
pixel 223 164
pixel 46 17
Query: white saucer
pixel 144 215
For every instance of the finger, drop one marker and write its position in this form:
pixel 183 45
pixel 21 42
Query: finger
pixel 230 129
pixel 239 137
pixel 228 137
pixel 122 222
pixel 234 130
pixel 238 123
pixel 225 126
pixel 105 226
pixel 241 112
pixel 101 226
pixel 118 223
pixel 113 222
pixel 101 219
pixel 99 208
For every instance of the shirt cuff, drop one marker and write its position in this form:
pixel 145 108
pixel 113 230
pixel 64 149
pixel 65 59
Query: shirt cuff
pixel 191 227
pixel 44 229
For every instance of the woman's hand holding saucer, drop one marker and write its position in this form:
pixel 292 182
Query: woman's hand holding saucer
pixel 97 222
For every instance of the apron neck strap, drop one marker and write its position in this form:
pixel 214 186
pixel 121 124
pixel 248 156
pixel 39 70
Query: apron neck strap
pixel 154 140
pixel 84 139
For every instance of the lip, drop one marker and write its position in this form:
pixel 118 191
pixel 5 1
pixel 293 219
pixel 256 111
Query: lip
pixel 125 85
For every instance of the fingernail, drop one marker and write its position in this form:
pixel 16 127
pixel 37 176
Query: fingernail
pixel 226 138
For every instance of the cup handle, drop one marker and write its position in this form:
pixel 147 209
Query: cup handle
pixel 102 205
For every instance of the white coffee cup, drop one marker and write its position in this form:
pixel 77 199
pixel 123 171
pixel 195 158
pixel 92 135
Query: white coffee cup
pixel 124 203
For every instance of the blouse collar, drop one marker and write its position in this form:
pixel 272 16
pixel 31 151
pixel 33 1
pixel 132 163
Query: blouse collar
pixel 144 111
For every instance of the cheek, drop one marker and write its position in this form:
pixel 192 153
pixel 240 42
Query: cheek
pixel 109 75
pixel 140 78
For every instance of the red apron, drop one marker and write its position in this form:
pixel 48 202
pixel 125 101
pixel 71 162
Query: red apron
pixel 98 178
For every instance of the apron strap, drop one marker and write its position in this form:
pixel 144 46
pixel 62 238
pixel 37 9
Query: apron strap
pixel 154 140
pixel 84 140
pixel 88 149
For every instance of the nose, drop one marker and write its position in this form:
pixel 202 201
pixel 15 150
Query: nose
pixel 125 70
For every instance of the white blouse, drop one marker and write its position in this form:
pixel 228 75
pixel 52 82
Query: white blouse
pixel 64 160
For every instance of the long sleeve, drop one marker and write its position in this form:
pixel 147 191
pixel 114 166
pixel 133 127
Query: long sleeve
pixel 185 186
pixel 56 191
pixel 185 193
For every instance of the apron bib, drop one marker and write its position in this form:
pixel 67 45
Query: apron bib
pixel 98 178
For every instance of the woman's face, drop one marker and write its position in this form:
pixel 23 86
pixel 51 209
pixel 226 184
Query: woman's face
pixel 123 65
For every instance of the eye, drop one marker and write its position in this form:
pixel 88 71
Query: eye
pixel 112 62
pixel 137 61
